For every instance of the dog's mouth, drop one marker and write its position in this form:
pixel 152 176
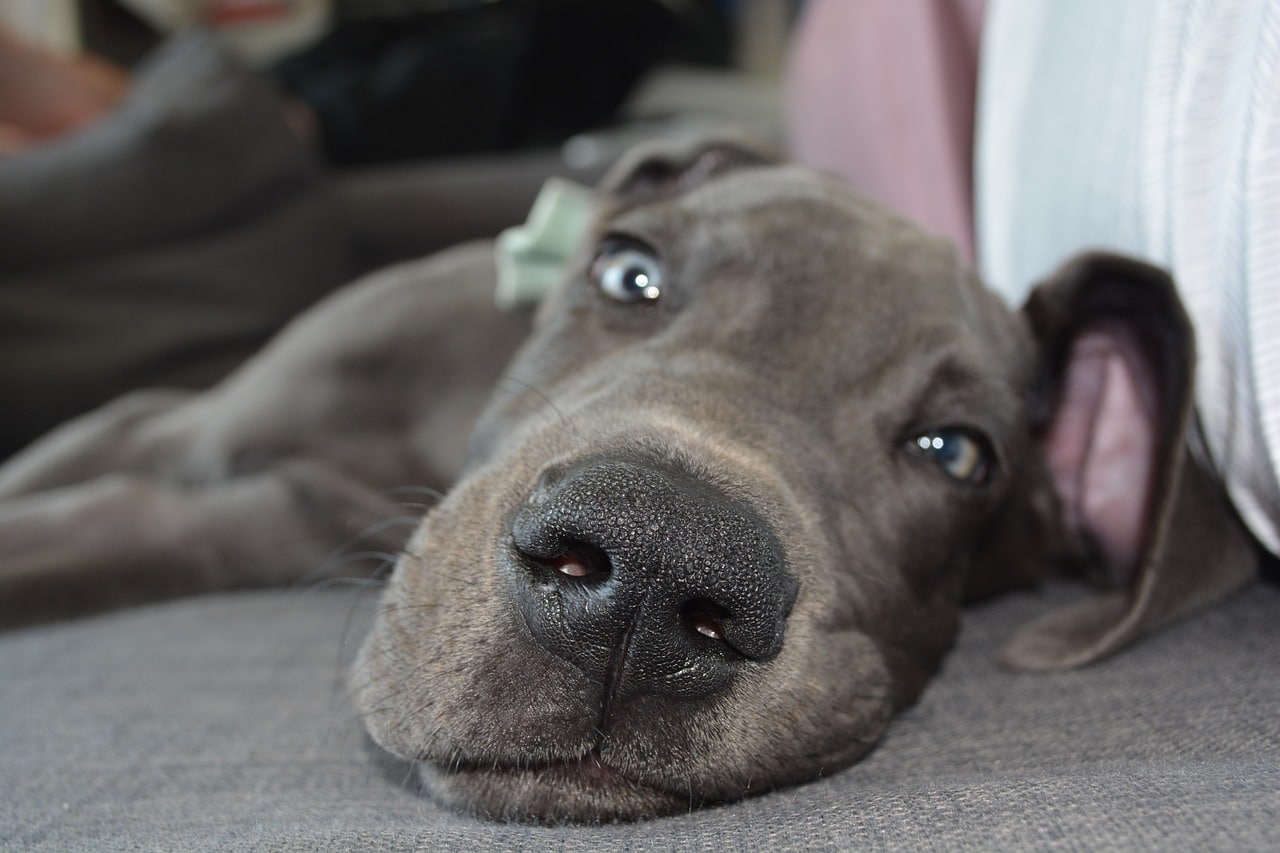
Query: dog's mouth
pixel 583 789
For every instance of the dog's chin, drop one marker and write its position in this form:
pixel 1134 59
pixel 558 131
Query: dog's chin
pixel 577 791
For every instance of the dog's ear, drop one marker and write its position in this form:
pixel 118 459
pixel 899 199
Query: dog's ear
pixel 667 166
pixel 1110 413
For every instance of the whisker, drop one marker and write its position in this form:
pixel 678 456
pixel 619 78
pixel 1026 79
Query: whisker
pixel 384 525
pixel 543 396
pixel 340 556
pixel 333 568
pixel 410 768
pixel 417 505
pixel 417 491
pixel 415 607
pixel 344 676
pixel 347 583
pixel 385 556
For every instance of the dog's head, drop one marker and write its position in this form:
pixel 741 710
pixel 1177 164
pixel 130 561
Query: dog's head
pixel 720 517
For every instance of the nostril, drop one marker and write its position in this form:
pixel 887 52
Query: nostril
pixel 573 565
pixel 705 617
pixel 577 560
pixel 581 560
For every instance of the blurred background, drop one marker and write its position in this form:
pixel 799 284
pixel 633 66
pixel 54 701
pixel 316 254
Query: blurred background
pixel 179 178
pixel 394 80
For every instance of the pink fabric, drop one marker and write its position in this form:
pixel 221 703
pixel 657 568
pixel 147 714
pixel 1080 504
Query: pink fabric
pixel 881 92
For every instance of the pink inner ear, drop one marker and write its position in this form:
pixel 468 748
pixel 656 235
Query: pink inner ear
pixel 1101 446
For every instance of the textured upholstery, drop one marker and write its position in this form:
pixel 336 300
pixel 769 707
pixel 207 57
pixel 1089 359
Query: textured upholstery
pixel 220 723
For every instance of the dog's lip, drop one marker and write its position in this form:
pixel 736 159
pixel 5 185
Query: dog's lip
pixel 589 768
pixel 583 789
pixel 589 760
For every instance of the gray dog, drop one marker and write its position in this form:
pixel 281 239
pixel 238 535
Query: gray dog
pixel 716 525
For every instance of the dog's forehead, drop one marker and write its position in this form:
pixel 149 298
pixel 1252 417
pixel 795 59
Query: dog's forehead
pixel 809 237
pixel 767 184
pixel 747 191
pixel 786 215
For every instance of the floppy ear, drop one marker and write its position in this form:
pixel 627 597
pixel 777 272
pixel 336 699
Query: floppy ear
pixel 669 166
pixel 1110 413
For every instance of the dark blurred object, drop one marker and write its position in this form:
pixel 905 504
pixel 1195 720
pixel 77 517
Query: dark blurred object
pixel 112 32
pixel 403 80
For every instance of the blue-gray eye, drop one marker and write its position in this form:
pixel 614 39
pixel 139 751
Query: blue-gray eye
pixel 628 272
pixel 962 454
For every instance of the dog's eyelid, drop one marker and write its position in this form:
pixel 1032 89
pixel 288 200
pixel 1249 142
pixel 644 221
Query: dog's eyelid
pixel 615 236
pixel 614 240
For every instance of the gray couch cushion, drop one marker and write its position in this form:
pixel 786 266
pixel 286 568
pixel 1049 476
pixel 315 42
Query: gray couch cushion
pixel 221 723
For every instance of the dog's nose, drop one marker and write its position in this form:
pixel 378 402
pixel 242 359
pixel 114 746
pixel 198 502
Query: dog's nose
pixel 648 579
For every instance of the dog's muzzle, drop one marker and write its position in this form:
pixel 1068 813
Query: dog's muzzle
pixel 647 579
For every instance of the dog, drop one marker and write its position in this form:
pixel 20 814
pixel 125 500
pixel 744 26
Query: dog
pixel 716 523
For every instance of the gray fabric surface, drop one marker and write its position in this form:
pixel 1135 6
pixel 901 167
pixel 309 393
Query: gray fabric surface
pixel 220 724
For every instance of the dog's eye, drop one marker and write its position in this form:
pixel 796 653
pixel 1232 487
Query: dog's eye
pixel 627 272
pixel 962 454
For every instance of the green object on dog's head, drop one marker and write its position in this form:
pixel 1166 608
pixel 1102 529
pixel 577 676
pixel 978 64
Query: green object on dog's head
pixel 532 257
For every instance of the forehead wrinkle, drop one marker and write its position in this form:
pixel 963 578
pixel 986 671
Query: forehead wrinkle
pixel 943 376
pixel 956 377
pixel 742 191
pixel 748 191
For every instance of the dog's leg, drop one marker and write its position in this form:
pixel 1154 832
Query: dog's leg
pixel 89 446
pixel 121 540
pixel 256 481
